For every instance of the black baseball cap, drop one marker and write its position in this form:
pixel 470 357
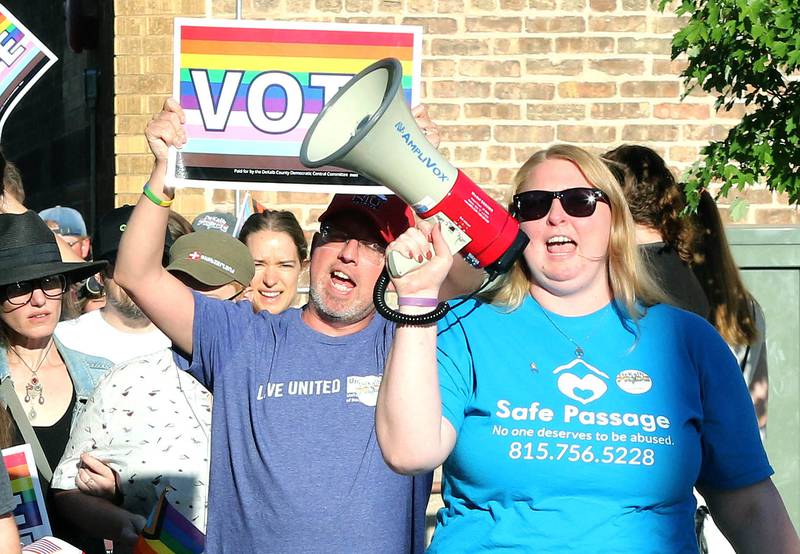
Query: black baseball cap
pixel 108 235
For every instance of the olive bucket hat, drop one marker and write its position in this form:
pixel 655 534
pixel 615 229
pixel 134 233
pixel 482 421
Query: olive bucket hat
pixel 28 250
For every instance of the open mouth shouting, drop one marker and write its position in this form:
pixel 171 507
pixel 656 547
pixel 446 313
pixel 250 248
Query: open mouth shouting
pixel 560 244
pixel 342 282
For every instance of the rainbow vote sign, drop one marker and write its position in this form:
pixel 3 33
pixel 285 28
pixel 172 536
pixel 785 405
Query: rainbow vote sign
pixel 23 59
pixel 251 90
pixel 30 513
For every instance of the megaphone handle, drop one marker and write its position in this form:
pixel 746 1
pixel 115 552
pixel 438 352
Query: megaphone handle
pixel 399 265
pixel 455 238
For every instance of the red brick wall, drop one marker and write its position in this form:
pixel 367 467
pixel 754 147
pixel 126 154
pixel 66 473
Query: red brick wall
pixel 503 78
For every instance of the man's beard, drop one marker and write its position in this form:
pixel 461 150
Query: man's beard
pixel 352 313
pixel 123 304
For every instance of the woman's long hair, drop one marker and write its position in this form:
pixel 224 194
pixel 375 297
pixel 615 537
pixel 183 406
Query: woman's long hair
pixel 654 197
pixel 731 302
pixel 6 422
pixel 628 278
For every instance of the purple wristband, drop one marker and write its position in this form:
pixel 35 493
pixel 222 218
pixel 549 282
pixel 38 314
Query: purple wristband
pixel 419 302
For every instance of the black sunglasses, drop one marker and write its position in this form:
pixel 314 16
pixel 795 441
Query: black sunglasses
pixel 20 293
pixel 577 202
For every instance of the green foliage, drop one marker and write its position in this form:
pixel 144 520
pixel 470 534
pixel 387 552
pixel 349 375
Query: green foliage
pixel 745 51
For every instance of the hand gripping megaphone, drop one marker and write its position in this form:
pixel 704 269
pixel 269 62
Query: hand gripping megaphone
pixel 367 127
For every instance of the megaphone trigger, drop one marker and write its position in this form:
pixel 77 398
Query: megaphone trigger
pixel 455 238
pixel 399 265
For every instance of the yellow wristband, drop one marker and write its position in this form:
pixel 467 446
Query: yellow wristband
pixel 155 199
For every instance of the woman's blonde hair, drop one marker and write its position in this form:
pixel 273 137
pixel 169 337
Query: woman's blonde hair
pixel 628 278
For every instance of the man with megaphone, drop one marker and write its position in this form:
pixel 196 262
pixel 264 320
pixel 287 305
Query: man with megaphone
pixel 295 466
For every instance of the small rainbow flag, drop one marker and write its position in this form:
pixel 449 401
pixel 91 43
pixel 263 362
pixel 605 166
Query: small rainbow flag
pixel 169 532
pixel 23 59
pixel 30 514
pixel 251 90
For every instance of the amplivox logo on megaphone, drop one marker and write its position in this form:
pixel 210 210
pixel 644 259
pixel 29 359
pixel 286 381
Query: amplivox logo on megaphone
pixel 367 127
pixel 420 153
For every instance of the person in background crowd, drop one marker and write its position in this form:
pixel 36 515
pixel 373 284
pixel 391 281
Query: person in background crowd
pixel 572 411
pixel 91 295
pixel 69 225
pixel 119 331
pixel 12 198
pixel 12 181
pixel 734 311
pixel 739 319
pixel 177 226
pixel 146 428
pixel 43 383
pixel 295 465
pixel 215 221
pixel 280 251
pixel 12 195
pixel 9 536
pixel 666 238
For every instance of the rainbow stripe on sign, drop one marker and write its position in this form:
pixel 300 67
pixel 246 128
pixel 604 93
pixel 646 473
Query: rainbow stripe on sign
pixel 23 59
pixel 22 484
pixel 169 532
pixel 251 90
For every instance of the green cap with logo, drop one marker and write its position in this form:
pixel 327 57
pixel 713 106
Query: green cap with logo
pixel 212 257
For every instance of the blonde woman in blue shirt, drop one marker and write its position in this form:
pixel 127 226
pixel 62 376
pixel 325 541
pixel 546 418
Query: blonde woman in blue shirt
pixel 571 410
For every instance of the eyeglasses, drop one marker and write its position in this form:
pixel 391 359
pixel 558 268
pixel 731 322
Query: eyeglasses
pixel 577 202
pixel 373 251
pixel 19 294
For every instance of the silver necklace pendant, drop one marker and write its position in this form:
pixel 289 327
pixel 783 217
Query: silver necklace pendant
pixel 34 388
pixel 579 352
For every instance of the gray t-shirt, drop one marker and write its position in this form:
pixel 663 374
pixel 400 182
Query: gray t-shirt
pixel 295 463
pixel 7 500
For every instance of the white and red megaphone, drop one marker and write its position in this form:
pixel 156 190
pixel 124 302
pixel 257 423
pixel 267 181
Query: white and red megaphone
pixel 367 127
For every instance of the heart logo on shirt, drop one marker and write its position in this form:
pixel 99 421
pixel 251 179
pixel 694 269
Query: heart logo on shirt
pixel 584 389
pixel 581 389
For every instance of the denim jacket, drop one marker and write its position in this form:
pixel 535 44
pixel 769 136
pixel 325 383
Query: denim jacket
pixel 85 371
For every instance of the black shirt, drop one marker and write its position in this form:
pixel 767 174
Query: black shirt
pixel 675 278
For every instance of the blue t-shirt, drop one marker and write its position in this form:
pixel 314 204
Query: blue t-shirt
pixel 295 463
pixel 560 454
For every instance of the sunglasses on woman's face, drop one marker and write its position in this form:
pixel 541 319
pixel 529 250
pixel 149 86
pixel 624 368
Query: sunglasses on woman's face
pixel 577 202
pixel 20 293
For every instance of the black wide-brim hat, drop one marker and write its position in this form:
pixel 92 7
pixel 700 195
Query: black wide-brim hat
pixel 28 250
